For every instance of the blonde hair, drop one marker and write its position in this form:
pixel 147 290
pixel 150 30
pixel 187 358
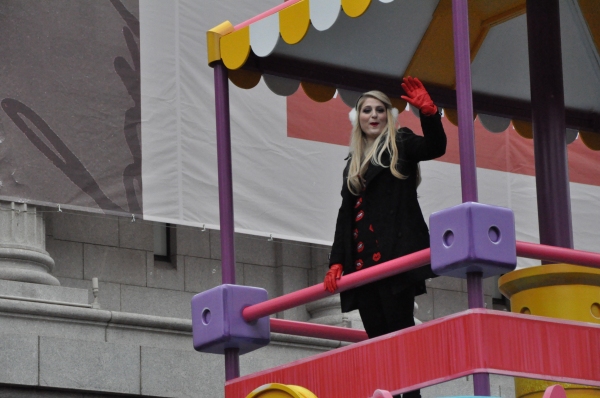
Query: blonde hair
pixel 386 142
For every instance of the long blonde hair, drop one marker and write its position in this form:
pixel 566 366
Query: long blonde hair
pixel 386 142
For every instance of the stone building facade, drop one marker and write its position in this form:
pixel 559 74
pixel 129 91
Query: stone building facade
pixel 53 342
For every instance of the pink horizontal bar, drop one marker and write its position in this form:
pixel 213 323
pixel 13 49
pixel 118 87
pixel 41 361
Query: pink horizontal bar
pixel 265 14
pixel 320 331
pixel 557 254
pixel 316 292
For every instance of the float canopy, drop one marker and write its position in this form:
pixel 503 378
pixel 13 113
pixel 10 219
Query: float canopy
pixel 357 45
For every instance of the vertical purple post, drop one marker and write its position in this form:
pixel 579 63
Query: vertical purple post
pixel 464 100
pixel 481 381
pixel 232 364
pixel 468 170
pixel 548 118
pixel 225 178
pixel 475 286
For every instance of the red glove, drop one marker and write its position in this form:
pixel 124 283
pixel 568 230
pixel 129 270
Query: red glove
pixel 418 96
pixel 334 273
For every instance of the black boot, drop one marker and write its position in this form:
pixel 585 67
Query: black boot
pixel 412 394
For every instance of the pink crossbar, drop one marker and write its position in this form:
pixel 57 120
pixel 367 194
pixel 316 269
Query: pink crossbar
pixel 558 254
pixel 315 330
pixel 473 341
pixel 266 14
pixel 316 292
pixel 403 264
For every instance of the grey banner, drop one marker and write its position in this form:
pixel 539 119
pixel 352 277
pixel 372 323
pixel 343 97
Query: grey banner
pixel 70 99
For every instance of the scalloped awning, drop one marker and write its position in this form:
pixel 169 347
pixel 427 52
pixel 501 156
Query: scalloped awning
pixel 350 46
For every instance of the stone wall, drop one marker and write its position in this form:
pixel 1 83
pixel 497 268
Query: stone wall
pixel 139 342
pixel 120 254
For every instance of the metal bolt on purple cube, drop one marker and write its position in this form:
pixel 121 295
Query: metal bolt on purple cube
pixel 473 237
pixel 217 321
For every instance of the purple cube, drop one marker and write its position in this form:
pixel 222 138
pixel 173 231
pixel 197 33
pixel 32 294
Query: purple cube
pixel 473 237
pixel 217 321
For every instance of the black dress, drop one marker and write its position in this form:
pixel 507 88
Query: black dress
pixel 388 223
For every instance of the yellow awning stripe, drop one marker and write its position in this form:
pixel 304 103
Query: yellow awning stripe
pixel 213 40
pixel 294 22
pixel 245 79
pixel 355 8
pixel 235 48
pixel 591 13
pixel 591 140
pixel 434 58
pixel 525 129
pixel 318 92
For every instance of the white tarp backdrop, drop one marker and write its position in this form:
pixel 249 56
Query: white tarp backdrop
pixel 70 129
pixel 283 186
pixel 70 114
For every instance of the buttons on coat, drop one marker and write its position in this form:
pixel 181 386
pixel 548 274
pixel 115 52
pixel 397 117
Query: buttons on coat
pixel 360 247
pixel 360 215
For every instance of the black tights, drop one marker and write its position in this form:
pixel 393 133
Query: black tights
pixel 383 312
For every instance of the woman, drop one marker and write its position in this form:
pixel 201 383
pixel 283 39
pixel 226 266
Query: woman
pixel 380 218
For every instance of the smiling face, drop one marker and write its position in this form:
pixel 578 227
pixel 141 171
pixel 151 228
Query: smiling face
pixel 373 118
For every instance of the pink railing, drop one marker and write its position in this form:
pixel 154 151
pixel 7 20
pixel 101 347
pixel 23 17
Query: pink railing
pixel 316 292
pixel 320 331
pixel 558 254
pixel 389 268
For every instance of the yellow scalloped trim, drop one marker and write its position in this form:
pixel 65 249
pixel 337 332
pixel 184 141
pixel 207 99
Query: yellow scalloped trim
pixel 591 13
pixel 213 37
pixel 452 115
pixel 294 22
pixel 523 128
pixel 245 79
pixel 591 140
pixel 399 104
pixel 318 92
pixel 433 61
pixel 355 8
pixel 235 48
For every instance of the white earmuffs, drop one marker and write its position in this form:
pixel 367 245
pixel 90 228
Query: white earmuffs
pixel 353 115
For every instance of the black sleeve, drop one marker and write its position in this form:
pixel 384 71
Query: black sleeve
pixel 337 250
pixel 430 146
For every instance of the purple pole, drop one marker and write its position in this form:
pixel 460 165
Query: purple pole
pixel 466 137
pixel 225 179
pixel 475 287
pixel 548 118
pixel 464 100
pixel 232 362
pixel 481 381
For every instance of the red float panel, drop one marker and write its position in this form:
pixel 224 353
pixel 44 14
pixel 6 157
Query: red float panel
pixel 469 342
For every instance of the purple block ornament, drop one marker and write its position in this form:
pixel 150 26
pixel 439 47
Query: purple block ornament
pixel 217 321
pixel 473 237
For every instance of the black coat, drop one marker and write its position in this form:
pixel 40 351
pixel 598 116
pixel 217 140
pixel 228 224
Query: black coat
pixel 394 210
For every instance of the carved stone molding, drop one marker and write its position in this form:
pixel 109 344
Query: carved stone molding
pixel 23 255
